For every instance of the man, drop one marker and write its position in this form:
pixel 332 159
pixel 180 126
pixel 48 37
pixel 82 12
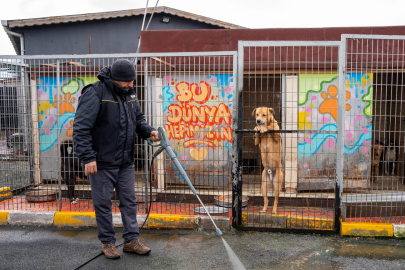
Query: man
pixel 107 117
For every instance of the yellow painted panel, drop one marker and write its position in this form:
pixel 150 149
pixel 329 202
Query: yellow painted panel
pixel 297 222
pixel 75 219
pixel 4 189
pixel 156 221
pixel 3 217
pixel 367 229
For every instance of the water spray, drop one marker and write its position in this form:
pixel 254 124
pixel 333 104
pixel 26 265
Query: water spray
pixel 164 145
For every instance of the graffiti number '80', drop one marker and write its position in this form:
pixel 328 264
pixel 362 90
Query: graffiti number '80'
pixel 193 92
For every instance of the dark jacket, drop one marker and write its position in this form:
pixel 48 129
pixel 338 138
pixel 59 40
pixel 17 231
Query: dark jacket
pixel 106 120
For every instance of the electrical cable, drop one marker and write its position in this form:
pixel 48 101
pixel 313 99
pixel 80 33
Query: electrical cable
pixel 147 215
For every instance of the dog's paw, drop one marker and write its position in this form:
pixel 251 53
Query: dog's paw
pixel 263 129
pixel 257 128
pixel 274 212
pixel 263 211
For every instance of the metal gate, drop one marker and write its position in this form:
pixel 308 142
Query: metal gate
pixel 288 144
pixel 374 70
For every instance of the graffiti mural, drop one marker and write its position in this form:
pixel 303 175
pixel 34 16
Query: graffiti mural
pixel 197 118
pixel 318 110
pixel 56 109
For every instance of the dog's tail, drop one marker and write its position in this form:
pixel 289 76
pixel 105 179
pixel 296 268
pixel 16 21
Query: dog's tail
pixel 64 147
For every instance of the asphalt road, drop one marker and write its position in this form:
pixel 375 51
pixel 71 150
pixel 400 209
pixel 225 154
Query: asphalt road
pixel 53 248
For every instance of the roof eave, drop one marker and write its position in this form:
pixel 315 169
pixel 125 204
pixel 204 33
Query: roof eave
pixel 117 14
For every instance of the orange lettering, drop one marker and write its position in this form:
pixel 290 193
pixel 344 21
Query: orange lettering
pixel 211 114
pixel 176 113
pixel 185 94
pixel 222 114
pixel 201 94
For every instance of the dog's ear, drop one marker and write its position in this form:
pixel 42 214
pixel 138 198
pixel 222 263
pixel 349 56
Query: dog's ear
pixel 271 111
pixel 253 113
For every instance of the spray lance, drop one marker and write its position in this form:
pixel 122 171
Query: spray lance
pixel 164 145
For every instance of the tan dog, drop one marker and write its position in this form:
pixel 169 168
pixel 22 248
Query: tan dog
pixel 270 148
pixel 376 157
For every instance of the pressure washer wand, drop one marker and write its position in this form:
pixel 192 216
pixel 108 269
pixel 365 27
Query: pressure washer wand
pixel 164 145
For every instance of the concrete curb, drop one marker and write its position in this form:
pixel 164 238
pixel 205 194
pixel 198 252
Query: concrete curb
pixel 370 229
pixel 399 230
pixel 4 217
pixel 30 218
pixel 177 222
pixel 75 219
pixel 88 219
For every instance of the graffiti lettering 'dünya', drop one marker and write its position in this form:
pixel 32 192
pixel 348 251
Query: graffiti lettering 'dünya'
pixel 194 119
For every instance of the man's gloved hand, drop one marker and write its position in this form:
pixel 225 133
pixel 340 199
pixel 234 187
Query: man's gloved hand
pixel 90 168
pixel 154 135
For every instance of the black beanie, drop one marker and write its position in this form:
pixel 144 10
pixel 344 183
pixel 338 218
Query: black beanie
pixel 123 70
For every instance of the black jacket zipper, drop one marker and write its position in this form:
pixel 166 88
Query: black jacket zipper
pixel 126 128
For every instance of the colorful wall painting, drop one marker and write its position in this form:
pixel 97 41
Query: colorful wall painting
pixel 197 118
pixel 318 110
pixel 56 109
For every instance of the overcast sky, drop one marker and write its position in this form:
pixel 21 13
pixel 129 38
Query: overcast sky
pixel 248 13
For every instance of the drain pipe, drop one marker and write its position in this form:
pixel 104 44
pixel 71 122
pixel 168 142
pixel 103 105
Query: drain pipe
pixel 4 23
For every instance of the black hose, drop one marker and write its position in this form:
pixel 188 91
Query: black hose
pixel 147 215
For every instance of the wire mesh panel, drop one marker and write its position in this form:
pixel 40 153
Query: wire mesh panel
pixel 375 75
pixel 288 135
pixel 194 104
pixel 190 95
pixel 14 165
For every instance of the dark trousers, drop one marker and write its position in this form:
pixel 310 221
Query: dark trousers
pixel 102 186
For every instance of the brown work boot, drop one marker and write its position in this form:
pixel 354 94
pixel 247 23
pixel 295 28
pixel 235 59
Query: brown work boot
pixel 110 251
pixel 136 247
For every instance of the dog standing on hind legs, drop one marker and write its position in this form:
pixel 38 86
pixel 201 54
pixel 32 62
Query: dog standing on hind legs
pixel 270 148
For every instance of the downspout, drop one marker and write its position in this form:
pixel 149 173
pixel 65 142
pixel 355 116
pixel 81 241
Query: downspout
pixel 4 23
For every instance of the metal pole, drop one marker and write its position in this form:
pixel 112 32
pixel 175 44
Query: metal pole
pixel 340 139
pixel 58 132
pixel 146 144
pixel 237 139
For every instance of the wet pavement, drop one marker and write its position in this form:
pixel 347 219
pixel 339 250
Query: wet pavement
pixel 53 248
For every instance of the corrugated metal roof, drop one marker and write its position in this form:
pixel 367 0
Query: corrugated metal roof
pixel 116 14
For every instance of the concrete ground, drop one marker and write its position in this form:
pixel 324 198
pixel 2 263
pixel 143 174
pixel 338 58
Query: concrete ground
pixel 53 248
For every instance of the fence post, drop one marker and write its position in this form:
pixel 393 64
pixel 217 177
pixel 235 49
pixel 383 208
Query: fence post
pixel 35 131
pixel 340 140
pixel 24 106
pixel 58 126
pixel 237 122
pixel 146 144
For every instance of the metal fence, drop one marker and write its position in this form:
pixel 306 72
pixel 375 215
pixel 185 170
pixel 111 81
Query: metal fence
pixel 375 75
pixel 189 94
pixel 313 130
pixel 288 135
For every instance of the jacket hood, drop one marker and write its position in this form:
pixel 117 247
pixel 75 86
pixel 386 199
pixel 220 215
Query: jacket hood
pixel 104 74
